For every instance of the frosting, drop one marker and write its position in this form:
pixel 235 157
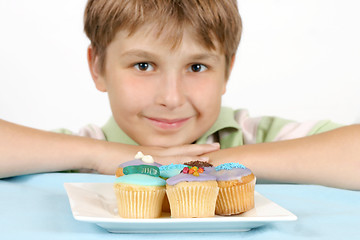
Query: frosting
pixel 229 166
pixel 198 164
pixel 167 171
pixel 143 171
pixel 231 171
pixel 183 177
pixel 141 179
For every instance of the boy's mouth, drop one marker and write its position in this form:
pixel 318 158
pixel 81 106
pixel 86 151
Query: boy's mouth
pixel 168 124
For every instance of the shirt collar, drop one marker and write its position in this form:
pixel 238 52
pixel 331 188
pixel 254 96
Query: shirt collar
pixel 113 133
pixel 225 120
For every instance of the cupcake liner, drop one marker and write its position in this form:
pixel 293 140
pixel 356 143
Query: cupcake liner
pixel 166 204
pixel 235 197
pixel 190 199
pixel 139 202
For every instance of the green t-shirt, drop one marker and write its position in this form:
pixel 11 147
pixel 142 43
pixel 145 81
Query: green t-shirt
pixel 236 128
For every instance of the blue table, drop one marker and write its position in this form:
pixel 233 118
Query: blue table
pixel 37 207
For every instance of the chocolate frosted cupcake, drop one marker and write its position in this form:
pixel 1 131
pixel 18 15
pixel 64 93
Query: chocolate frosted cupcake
pixel 192 193
pixel 236 189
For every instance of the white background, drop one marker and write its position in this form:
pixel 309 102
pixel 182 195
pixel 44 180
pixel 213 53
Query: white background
pixel 298 59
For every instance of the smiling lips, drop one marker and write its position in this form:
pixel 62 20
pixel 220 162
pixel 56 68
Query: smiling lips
pixel 168 124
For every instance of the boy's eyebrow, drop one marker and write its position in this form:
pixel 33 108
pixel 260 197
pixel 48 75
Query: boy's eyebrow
pixel 148 55
pixel 205 56
pixel 138 53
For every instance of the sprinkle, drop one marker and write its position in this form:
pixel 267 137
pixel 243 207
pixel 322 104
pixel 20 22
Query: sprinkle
pixel 229 166
pixel 195 168
pixel 194 171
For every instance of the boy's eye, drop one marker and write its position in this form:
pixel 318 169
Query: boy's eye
pixel 197 68
pixel 144 66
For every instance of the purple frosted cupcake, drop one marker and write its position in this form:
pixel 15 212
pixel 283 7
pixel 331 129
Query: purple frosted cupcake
pixel 192 193
pixel 236 189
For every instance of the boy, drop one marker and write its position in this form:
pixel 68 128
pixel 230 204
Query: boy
pixel 165 65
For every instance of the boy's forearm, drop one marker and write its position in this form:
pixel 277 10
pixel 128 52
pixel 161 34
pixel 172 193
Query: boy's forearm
pixel 25 150
pixel 331 159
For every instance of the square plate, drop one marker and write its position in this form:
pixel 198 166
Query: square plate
pixel 96 203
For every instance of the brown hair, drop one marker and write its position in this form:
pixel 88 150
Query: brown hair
pixel 211 20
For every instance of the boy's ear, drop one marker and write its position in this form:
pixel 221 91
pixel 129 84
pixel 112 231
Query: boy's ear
pixel 94 67
pixel 232 61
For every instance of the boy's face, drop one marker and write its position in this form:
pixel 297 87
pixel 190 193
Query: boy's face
pixel 161 96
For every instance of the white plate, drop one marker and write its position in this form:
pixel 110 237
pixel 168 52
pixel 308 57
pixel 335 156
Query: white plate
pixel 96 203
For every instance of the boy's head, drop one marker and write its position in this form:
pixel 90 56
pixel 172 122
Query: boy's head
pixel 164 64
pixel 211 21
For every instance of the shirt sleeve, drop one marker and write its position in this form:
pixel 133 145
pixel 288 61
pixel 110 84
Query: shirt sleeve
pixel 272 129
pixel 91 131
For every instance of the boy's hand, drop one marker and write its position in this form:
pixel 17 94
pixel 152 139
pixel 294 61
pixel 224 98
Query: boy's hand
pixel 184 153
pixel 114 154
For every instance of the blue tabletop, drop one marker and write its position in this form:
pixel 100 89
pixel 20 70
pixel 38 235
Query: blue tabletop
pixel 37 207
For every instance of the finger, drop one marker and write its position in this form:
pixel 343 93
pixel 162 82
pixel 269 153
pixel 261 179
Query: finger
pixel 179 159
pixel 190 150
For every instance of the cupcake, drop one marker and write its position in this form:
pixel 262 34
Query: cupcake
pixel 140 159
pixel 140 192
pixel 167 171
pixel 236 189
pixel 192 193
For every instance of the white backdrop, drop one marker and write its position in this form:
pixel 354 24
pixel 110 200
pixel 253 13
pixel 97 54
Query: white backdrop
pixel 298 59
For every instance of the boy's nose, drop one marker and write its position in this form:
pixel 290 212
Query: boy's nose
pixel 170 92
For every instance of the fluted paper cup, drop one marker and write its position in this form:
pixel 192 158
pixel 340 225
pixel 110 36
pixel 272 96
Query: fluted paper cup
pixel 139 201
pixel 192 199
pixel 235 197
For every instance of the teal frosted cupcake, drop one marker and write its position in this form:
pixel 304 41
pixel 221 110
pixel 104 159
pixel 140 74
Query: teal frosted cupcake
pixel 140 192
pixel 139 159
